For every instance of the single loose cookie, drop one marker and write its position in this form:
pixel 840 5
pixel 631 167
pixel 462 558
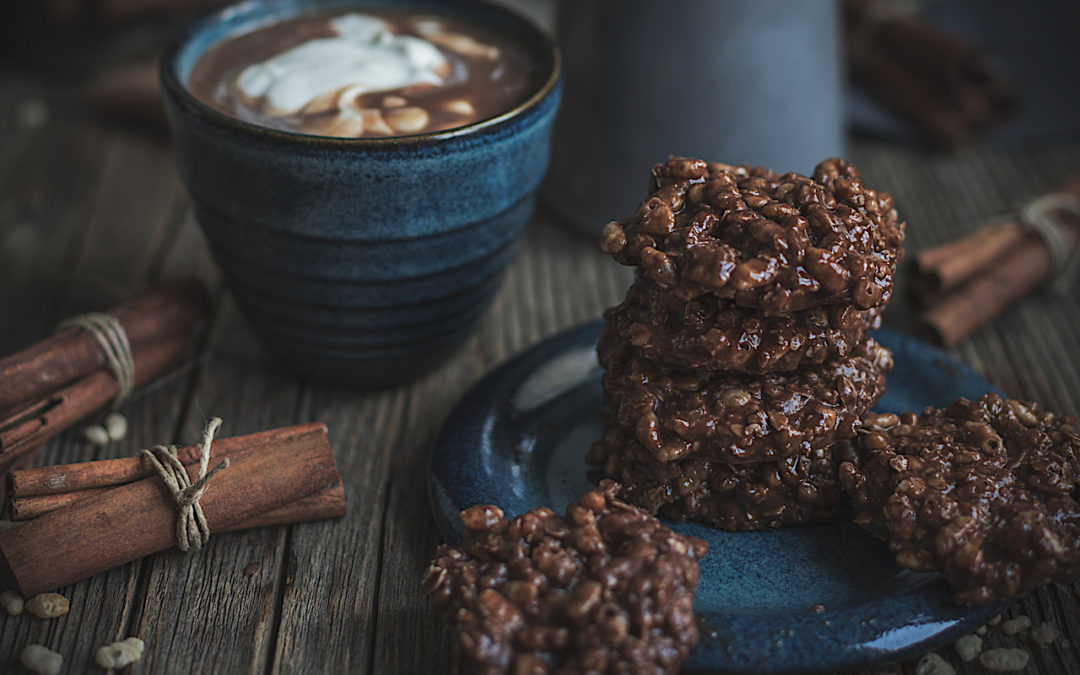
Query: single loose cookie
pixel 738 418
pixel 983 491
pixel 605 589
pixel 792 491
pixel 708 333
pixel 780 243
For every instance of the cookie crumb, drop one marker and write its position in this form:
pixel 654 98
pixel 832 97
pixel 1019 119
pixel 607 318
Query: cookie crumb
pixel 1016 625
pixel 968 647
pixel 116 426
pixel 48 605
pixel 42 660
pixel 95 434
pixel 120 654
pixel 1004 660
pixel 12 603
pixel 933 664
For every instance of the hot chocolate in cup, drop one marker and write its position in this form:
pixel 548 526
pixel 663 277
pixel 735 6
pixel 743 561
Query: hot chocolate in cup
pixel 371 73
pixel 358 256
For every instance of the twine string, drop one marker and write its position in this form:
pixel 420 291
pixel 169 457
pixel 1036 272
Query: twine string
pixel 1042 216
pixel 113 341
pixel 192 530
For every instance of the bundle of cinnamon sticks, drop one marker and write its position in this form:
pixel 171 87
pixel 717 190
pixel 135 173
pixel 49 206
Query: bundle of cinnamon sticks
pixel 962 284
pixel 49 386
pixel 935 80
pixel 89 517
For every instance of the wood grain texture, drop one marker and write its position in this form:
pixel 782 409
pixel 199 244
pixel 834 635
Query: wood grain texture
pixel 88 214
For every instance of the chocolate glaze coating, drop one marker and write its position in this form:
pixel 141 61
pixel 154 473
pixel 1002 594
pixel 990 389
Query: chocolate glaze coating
pixel 707 333
pixel 792 491
pixel 779 243
pixel 738 418
pixel 985 491
pixel 606 588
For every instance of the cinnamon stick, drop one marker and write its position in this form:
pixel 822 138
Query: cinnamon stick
pixel 28 508
pixel 992 290
pixel 66 478
pixel 152 316
pixel 138 519
pixel 329 503
pixel 934 79
pixel 30 426
pixel 131 94
pixel 21 462
pixel 323 505
pixel 940 269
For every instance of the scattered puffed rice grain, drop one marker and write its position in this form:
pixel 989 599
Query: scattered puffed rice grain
pixel 1044 634
pixel 995 621
pixel 116 425
pixel 981 630
pixel 48 605
pixel 968 647
pixel 120 654
pixel 12 602
pixel 1016 625
pixel 1004 659
pixel 933 664
pixel 96 435
pixel 394 102
pixel 41 660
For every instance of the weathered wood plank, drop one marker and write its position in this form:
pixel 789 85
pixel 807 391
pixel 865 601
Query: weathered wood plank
pixel 230 587
pixel 332 576
pixel 97 258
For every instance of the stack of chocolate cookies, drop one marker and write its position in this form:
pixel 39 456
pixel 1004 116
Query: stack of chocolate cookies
pixel 740 355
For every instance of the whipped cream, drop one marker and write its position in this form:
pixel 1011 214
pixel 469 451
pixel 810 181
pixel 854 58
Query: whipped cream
pixel 364 57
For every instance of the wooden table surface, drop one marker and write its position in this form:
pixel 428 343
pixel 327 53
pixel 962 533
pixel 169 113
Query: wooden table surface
pixel 91 212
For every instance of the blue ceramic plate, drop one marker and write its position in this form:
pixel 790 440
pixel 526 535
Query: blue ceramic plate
pixel 518 439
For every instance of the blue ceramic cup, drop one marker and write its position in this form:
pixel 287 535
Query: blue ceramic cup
pixel 363 262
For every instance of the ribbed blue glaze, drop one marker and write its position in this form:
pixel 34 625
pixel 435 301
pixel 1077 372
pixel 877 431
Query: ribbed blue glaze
pixel 362 262
pixel 372 319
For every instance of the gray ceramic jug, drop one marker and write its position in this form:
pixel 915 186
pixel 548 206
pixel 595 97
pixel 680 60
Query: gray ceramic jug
pixel 738 81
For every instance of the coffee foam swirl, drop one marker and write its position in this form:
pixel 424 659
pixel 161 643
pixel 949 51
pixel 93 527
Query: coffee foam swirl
pixel 326 73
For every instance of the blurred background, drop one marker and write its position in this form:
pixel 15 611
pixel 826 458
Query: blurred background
pixel 766 82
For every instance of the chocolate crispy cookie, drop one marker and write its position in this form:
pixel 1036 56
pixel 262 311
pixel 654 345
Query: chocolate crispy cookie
pixel 986 492
pixel 779 243
pixel 791 491
pixel 738 418
pixel 708 333
pixel 607 589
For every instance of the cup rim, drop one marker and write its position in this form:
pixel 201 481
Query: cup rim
pixel 171 84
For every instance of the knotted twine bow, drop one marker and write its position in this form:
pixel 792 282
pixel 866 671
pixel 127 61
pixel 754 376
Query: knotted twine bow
pixel 115 346
pixel 192 530
pixel 1042 216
